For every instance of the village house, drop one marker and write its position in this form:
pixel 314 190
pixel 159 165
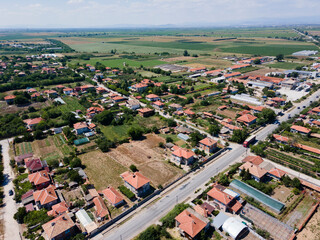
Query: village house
pixel 35 95
pixel 189 113
pixel 9 99
pixel 101 209
pixel 276 173
pixel 81 127
pixel 230 75
pixel 136 182
pixel 190 224
pixel 300 129
pixel 58 209
pixel 256 160
pixel 139 87
pixel 46 197
pixel 118 99
pixel 280 139
pixel 51 93
pixel 152 97
pixel 113 196
pixel 256 109
pixel 316 111
pixel 158 104
pixel 92 111
pixel 208 145
pixel 145 112
pixel 222 200
pixel 278 101
pixel 133 104
pixel 32 123
pixel 247 119
pixel 100 90
pixel 33 165
pixel 40 179
pixel 182 155
pixel 60 228
pixel 86 88
pixel 67 91
pixel 197 70
pixel 257 173
pixel 175 106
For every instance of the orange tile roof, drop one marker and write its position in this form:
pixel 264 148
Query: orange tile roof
pixel 197 69
pixel 68 89
pixel 152 96
pixel 182 152
pixel 112 195
pixel 244 112
pixel 140 85
pixel 35 95
pixel 280 138
pixel 136 179
pixel 58 209
pixel 214 71
pixel 236 207
pixel 257 108
pixel 246 118
pixel 277 172
pixel 256 160
pixel 38 178
pixel 158 103
pixel 80 125
pixel 230 126
pixel 240 66
pixel 316 109
pixel 316 122
pixel 220 196
pixel 145 110
pixel 301 129
pixel 232 74
pixel 199 209
pixel 9 97
pixel 208 142
pixel 307 148
pixel 58 226
pixel 45 195
pixel 222 107
pixel 189 112
pixel 310 185
pixel 101 209
pixel 253 169
pixel 277 99
pixel 189 223
pixel 33 121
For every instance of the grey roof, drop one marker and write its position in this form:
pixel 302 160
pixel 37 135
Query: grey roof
pixel 59 100
pixel 219 220
pixel 23 156
pixel 183 129
pixel 81 172
pixel 169 145
pixel 183 136
pixel 57 130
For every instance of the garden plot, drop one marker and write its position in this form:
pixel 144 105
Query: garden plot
pixel 148 158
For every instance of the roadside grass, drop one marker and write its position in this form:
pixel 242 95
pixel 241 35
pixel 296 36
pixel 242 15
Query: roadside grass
pixel 102 170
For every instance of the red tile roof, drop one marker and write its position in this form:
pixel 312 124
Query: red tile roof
pixel 280 138
pixel 46 195
pixel 58 209
pixel 228 75
pixel 112 195
pixel 33 164
pixel 277 172
pixel 158 103
pixel 246 118
pixel 208 142
pixel 184 153
pixel 253 169
pixel 301 129
pixel 189 112
pixel 256 160
pixel 136 179
pixel 220 196
pixel 33 121
pixel 189 223
pixel 40 177
pixel 257 108
pixel 58 226
pixel 9 97
pixel 277 99
pixel 80 125
pixel 101 209
pixel 152 96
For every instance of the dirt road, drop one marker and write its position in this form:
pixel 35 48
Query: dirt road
pixel 11 227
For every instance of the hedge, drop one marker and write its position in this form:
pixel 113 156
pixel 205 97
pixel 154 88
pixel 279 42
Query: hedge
pixel 126 192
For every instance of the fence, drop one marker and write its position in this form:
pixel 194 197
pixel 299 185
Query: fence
pixel 155 193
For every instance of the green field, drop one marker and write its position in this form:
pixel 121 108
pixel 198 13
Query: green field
pixel 72 104
pixel 286 65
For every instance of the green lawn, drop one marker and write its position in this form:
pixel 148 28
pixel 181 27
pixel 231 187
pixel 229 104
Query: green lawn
pixel 72 104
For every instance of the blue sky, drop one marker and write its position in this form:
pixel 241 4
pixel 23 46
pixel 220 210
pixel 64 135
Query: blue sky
pixel 106 13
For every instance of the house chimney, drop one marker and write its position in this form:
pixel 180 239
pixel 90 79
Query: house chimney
pixel 53 223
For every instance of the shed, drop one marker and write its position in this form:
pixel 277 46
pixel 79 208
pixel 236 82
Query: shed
pixel 219 220
pixel 234 227
pixel 183 136
pixel 86 221
pixel 57 130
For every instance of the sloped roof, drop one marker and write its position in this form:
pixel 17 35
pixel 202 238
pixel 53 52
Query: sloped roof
pixel 253 169
pixel 33 121
pixel 256 160
pixel 101 209
pixel 221 196
pixel 33 164
pixel 112 195
pixel 46 195
pixel 280 138
pixel 182 152
pixel 152 96
pixel 58 225
pixel 300 129
pixel 247 118
pixel 136 179
pixel 277 172
pixel 58 209
pixel 39 177
pixel 189 223
pixel 80 125
pixel 9 97
pixel 189 112
pixel 158 103
pixel 208 142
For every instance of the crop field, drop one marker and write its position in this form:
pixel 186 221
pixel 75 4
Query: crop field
pixel 23 148
pixel 286 65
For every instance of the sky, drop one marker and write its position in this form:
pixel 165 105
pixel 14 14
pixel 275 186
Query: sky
pixel 117 13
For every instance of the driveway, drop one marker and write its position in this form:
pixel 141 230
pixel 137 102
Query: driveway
pixel 11 227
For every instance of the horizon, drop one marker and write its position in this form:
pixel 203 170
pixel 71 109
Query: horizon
pixel 66 14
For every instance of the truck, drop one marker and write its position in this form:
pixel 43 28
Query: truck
pixel 249 140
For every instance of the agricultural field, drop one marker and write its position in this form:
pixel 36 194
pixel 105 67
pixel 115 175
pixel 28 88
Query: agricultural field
pixel 312 229
pixel 285 65
pixel 72 104
pixel 148 158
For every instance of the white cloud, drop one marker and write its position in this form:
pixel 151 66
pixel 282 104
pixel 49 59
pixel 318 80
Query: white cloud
pixel 75 1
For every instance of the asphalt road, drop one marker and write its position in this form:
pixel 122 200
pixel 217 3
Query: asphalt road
pixel 151 214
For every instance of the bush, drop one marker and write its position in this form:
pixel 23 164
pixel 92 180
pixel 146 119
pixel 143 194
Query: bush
pixel 154 233
pixel 263 233
pixel 135 133
pixel 169 140
pixel 126 192
pixel 19 215
pixel 133 168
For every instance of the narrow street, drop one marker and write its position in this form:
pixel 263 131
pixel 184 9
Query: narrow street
pixel 11 227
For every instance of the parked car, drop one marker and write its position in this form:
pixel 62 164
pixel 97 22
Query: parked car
pixel 10 192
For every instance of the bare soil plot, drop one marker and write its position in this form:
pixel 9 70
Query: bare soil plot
pixel 102 170
pixel 6 109
pixel 262 71
pixel 284 195
pixel 149 159
pixel 72 195
pixel 312 229
pixel 228 113
pixel 176 59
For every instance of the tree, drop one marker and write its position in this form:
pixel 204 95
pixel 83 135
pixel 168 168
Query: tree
pixel 224 180
pixel 296 183
pixel 105 118
pixel 74 176
pixel 20 100
pixel 70 118
pixel 279 57
pixel 185 53
pixel 169 140
pixel 239 136
pixel 214 129
pixel 76 163
pixel 133 168
pixel 20 214
pixel 171 122
pixel 268 115
pixel 38 134
pixel 135 133
pixel 257 61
